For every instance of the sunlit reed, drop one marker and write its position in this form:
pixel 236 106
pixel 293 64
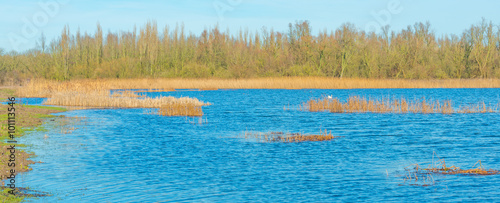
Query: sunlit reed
pixel 45 88
pixel 105 100
pixel 356 104
pixel 180 109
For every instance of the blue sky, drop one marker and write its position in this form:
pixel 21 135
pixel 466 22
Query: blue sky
pixel 22 22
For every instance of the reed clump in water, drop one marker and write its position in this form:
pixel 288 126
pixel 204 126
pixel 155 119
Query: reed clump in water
pixel 356 104
pixel 180 109
pixel 290 137
pixel 103 99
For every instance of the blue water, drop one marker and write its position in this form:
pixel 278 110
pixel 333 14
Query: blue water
pixel 129 155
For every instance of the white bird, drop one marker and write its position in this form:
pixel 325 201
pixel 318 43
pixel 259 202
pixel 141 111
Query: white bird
pixel 330 97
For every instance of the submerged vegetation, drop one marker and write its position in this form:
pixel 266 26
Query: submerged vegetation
pixel 346 52
pixel 421 176
pixel 290 137
pixel 356 104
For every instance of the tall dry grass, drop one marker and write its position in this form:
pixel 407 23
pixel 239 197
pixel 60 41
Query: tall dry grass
pixel 356 104
pixel 45 88
pixel 180 109
pixel 105 100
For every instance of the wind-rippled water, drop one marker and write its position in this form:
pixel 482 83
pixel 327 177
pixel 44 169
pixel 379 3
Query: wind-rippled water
pixel 129 155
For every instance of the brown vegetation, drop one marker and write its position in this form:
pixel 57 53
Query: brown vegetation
pixel 95 93
pixel 180 109
pixel 105 100
pixel 356 104
pixel 45 88
pixel 439 167
pixel 290 137
pixel 424 176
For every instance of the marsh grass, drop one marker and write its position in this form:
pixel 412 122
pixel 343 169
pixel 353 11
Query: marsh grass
pixel 356 104
pixel 45 88
pixel 180 109
pixel 154 90
pixel 290 137
pixel 205 89
pixel 123 100
pixel 96 93
pixel 126 94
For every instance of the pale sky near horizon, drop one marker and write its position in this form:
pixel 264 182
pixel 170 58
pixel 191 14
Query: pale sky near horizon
pixel 23 22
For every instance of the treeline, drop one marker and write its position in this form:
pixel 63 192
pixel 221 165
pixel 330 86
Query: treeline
pixel 413 53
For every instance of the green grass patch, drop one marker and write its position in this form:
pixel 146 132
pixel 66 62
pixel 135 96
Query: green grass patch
pixel 6 197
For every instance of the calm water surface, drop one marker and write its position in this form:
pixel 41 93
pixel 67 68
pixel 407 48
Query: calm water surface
pixel 130 155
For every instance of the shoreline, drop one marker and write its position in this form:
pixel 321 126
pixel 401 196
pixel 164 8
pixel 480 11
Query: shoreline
pixel 45 88
pixel 27 118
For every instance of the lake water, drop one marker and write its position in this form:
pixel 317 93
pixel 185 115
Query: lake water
pixel 130 155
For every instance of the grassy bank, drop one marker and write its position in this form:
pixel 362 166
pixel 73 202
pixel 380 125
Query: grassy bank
pixel 27 118
pixel 46 88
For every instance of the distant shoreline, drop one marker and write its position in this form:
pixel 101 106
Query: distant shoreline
pixel 40 87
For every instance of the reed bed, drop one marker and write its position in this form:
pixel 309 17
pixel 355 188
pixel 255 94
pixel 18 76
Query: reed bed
pixel 154 90
pixel 45 88
pixel 126 93
pixel 105 100
pixel 290 137
pixel 356 104
pixel 180 109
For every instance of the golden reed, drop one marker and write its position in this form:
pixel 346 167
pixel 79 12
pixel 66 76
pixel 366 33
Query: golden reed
pixel 180 109
pixel 105 100
pixel 356 104
pixel 44 88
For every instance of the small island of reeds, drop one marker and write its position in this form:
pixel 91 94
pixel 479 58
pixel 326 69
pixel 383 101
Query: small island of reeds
pixel 357 104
